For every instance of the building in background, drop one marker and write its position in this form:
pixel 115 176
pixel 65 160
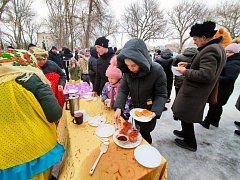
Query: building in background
pixel 45 40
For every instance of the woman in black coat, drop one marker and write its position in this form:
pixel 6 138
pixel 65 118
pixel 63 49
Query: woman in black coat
pixel 144 81
pixel 227 80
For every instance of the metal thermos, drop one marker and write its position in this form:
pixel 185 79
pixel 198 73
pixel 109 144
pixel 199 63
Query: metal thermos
pixel 74 104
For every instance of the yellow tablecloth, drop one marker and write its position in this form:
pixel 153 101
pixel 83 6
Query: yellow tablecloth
pixel 83 147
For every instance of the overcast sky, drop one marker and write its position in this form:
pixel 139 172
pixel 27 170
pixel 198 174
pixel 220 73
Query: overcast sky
pixel 118 7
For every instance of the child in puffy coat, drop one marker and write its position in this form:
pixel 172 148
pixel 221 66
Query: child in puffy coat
pixel 110 90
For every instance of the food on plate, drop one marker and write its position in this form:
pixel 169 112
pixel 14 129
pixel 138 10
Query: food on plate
pixel 129 132
pixel 138 113
pixel 133 136
pixel 126 127
pixel 146 112
pixel 124 131
pixel 126 124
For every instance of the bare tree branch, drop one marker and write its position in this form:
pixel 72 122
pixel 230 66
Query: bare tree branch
pixel 2 6
pixel 183 16
pixel 16 20
pixel 228 16
pixel 144 20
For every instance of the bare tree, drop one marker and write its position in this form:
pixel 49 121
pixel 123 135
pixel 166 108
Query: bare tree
pixel 97 22
pixel 18 25
pixel 79 21
pixel 108 26
pixel 183 16
pixel 55 21
pixel 62 20
pixel 228 16
pixel 3 3
pixel 144 20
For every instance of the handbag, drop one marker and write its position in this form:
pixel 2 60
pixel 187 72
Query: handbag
pixel 212 99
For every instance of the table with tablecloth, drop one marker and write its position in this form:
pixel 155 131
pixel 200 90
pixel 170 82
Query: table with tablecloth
pixel 83 147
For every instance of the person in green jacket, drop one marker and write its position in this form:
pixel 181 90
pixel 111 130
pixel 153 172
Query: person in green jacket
pixel 74 70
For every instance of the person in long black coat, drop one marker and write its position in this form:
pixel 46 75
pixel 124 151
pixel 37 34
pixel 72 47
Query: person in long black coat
pixel 227 80
pixel 105 55
pixel 144 81
pixel 199 82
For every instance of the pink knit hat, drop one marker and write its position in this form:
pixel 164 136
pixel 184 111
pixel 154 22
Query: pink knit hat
pixel 113 72
pixel 235 48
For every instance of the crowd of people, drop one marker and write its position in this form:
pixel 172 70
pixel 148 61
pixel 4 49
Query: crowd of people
pixel 125 79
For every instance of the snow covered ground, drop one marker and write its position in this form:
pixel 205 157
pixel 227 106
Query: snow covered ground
pixel 218 154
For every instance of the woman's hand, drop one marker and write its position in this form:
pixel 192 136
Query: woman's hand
pixel 60 88
pixel 117 116
pixel 107 102
pixel 94 94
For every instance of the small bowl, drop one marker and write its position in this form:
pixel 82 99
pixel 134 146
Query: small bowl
pixel 122 138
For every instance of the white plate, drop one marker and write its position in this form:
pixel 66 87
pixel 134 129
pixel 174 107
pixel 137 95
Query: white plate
pixel 141 118
pixel 148 156
pixel 105 130
pixel 175 72
pixel 127 145
pixel 97 120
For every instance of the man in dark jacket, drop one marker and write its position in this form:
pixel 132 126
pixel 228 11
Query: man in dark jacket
pixel 144 81
pixel 227 80
pixel 105 54
pixel 92 64
pixel 199 82
pixel 55 57
pixel 165 60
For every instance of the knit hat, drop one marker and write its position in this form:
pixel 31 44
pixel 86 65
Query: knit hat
pixel 54 47
pixel 102 41
pixel 225 35
pixel 190 52
pixel 206 29
pixel 113 72
pixel 187 54
pixel 234 47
